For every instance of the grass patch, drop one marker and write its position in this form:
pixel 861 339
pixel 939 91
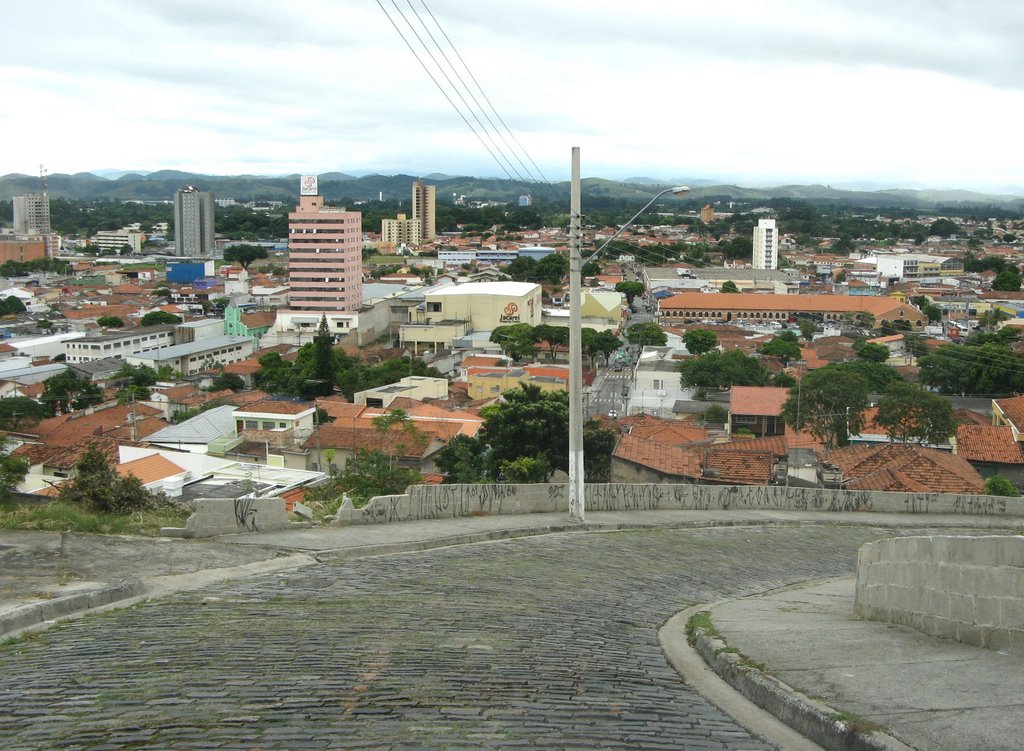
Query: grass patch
pixel 61 517
pixel 701 620
pixel 856 724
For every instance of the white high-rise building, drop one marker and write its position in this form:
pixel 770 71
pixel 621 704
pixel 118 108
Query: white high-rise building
pixel 766 244
pixel 32 214
pixel 193 223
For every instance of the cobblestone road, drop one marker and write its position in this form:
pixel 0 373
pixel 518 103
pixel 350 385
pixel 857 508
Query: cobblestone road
pixel 542 643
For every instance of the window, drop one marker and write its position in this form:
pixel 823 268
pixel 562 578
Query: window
pixel 252 425
pixel 658 385
pixel 433 307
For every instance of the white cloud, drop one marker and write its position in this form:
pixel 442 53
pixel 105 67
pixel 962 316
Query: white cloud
pixel 915 93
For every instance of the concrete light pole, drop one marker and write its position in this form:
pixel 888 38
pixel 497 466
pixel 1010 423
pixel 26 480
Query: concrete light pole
pixel 576 499
pixel 577 502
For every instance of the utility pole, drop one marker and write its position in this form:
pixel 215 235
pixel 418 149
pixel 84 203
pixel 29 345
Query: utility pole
pixel 576 484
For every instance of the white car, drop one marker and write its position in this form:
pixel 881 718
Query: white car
pixel 613 413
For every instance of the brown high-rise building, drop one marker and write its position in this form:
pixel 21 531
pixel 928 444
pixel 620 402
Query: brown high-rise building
pixel 707 214
pixel 423 198
pixel 324 254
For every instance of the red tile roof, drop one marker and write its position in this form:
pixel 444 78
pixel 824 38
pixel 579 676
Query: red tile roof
pixel 738 467
pixel 988 443
pixel 935 471
pixel 758 400
pixel 1013 408
pixel 150 468
pixel 669 460
pixel 271 406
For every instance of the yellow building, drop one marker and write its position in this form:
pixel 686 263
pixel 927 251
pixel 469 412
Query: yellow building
pixel 487 382
pixel 454 310
pixel 401 231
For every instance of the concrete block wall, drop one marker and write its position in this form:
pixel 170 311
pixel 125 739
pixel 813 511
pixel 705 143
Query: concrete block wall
pixel 228 516
pixel 452 501
pixel 969 589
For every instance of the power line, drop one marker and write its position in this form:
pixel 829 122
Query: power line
pixel 455 88
pixel 442 90
pixel 485 97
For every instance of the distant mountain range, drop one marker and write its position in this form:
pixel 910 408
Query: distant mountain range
pixel 161 185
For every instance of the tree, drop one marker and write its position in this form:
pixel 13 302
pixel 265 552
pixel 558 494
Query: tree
pixel 11 305
pixel 630 290
pixel 225 381
pixel 988 368
pixel 699 341
pixel 646 334
pixel 829 405
pixel 527 422
pixel 807 328
pixel 44 325
pixel 525 469
pixel 20 412
pixel 463 460
pixel 878 375
pixel 159 317
pixel 67 391
pixel 784 349
pixel 872 352
pixel 244 255
pixel 723 370
pixel 553 267
pixel 97 487
pixel 132 393
pixel 590 268
pixel 730 287
pixel 1007 281
pixel 943 228
pixel 12 469
pixel 998 485
pixel 553 336
pixel 910 414
pixel 109 322
pixel 322 381
pixel 515 340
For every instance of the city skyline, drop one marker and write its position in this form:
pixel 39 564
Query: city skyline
pixel 838 92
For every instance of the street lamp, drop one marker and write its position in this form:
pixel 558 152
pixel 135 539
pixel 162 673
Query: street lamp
pixel 576 486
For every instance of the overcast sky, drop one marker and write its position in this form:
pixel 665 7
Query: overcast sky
pixel 905 93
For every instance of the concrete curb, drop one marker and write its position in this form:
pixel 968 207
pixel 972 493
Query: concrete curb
pixel 470 538
pixel 812 719
pixel 44 614
pixel 37 613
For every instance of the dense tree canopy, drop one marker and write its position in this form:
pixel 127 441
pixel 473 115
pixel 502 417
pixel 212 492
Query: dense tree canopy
pixel 910 414
pixel 525 437
pixel 699 341
pixel 784 348
pixel 159 317
pixel 829 405
pixel 723 370
pixel 67 391
pixel 244 255
pixel 630 290
pixel 646 334
pixel 991 368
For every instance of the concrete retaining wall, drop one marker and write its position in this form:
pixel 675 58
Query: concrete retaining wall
pixel 227 516
pixel 452 501
pixel 970 589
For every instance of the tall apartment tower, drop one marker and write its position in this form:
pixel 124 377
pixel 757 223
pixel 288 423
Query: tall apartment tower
pixel 193 223
pixel 423 210
pixel 32 214
pixel 325 261
pixel 766 244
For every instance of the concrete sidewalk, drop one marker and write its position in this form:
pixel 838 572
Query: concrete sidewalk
pixel 930 693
